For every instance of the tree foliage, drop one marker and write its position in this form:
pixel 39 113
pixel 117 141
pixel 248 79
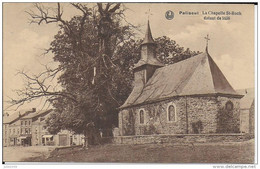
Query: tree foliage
pixel 167 51
pixel 86 55
pixel 96 54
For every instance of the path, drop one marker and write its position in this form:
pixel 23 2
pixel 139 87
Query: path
pixel 15 154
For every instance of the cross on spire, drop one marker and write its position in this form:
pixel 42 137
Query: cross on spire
pixel 148 13
pixel 207 41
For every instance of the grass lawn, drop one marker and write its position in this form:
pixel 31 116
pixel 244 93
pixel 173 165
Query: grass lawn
pixel 159 153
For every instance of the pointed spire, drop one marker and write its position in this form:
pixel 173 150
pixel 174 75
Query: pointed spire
pixel 206 49
pixel 148 35
pixel 148 51
pixel 207 42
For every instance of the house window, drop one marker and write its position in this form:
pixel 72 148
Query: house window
pixel 21 131
pixel 229 106
pixel 29 123
pixel 17 131
pixel 25 123
pixel 26 131
pixel 141 115
pixel 171 112
pixel 21 122
pixel 43 127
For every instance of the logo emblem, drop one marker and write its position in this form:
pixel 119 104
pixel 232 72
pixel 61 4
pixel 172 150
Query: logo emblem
pixel 169 15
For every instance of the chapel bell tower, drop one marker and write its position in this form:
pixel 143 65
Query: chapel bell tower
pixel 148 63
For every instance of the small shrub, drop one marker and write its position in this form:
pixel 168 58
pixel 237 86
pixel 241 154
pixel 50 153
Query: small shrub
pixel 197 127
pixel 150 129
pixel 226 122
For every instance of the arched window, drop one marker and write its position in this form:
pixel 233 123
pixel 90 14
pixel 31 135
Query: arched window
pixel 171 113
pixel 141 116
pixel 229 106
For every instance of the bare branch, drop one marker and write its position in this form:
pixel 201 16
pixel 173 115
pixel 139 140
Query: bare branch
pixel 36 87
pixel 116 7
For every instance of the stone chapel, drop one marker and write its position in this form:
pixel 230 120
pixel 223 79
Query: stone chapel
pixel 188 97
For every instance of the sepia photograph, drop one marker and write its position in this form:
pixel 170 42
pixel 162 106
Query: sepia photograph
pixel 125 83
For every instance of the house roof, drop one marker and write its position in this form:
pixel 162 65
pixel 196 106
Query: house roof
pixel 247 101
pixel 194 76
pixel 15 116
pixel 36 114
pixel 10 118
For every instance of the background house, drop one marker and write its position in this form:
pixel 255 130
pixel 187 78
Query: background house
pixel 29 128
pixel 247 110
pixel 33 127
pixel 12 127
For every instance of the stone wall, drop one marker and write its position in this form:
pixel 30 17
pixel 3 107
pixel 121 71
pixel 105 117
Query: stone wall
pixel 181 138
pixel 203 110
pixel 228 121
pixel 252 119
pixel 244 121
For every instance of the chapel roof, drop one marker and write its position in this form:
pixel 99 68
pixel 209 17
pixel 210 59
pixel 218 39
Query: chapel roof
pixel 148 61
pixel 197 75
pixel 148 35
pixel 148 39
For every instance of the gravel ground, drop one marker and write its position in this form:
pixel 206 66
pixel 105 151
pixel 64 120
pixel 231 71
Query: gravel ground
pixel 220 152
pixel 17 154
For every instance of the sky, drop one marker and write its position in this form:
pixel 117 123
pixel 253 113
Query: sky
pixel 231 42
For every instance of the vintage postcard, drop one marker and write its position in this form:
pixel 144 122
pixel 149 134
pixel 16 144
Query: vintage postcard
pixel 129 83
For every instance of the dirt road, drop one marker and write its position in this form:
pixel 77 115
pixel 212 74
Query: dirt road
pixel 16 154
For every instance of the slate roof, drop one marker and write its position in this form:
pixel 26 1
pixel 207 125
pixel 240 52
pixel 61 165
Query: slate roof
pixel 14 116
pixel 148 39
pixel 35 114
pixel 150 61
pixel 148 35
pixel 23 115
pixel 194 76
pixel 247 101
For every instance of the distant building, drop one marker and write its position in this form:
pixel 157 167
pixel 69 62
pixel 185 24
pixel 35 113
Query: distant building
pixel 12 127
pixel 247 111
pixel 190 96
pixel 34 129
pixel 30 129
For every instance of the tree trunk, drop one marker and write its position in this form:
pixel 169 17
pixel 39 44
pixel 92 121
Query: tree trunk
pixel 85 145
pixel 93 136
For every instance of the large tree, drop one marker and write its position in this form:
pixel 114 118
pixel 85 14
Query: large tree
pixel 96 54
pixel 85 48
